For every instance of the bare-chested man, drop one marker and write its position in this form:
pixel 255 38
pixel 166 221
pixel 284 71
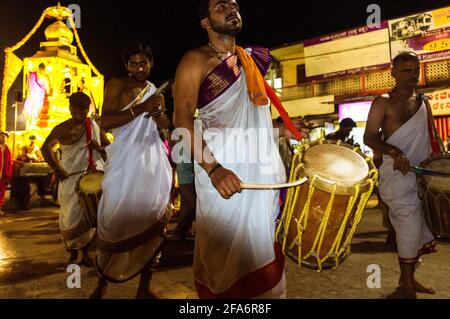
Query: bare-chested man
pixel 75 142
pixel 235 253
pixel 132 212
pixel 402 117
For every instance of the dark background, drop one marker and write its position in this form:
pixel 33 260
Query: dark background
pixel 171 27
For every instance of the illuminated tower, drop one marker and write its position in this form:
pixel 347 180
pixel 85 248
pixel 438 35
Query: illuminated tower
pixel 52 74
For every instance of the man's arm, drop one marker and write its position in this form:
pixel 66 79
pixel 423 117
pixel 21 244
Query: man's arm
pixel 8 164
pixel 47 153
pixel 112 116
pixel 104 141
pixel 189 76
pixel 162 120
pixel 377 116
pixel 103 138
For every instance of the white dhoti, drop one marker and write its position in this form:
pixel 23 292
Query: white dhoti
pixel 75 230
pixel 132 212
pixel 235 252
pixel 400 192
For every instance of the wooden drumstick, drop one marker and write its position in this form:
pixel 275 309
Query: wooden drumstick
pixel 155 113
pixel 158 91
pixel 274 186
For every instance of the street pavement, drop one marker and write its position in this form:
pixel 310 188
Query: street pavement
pixel 33 265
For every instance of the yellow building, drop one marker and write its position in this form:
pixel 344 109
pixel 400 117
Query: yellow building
pixel 287 76
pixel 339 74
pixel 49 77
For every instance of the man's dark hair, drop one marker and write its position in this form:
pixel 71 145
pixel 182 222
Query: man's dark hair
pixel 203 9
pixel 404 57
pixel 347 122
pixel 80 101
pixel 136 47
pixel 279 120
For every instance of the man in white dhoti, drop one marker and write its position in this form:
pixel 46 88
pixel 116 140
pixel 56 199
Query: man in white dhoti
pixel 404 120
pixel 235 252
pixel 132 213
pixel 81 141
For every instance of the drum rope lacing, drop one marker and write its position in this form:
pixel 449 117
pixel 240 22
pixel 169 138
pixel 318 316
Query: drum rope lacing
pixel 292 196
pixel 424 190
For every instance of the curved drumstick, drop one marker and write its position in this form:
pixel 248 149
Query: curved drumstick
pixel 424 171
pixel 274 186
pixel 158 91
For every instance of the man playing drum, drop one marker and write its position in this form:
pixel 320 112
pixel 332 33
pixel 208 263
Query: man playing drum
pixel 235 254
pixel 345 128
pixel 77 136
pixel 132 213
pixel 403 119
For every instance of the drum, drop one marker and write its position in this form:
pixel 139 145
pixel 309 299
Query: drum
pixel 320 217
pixel 89 190
pixel 435 194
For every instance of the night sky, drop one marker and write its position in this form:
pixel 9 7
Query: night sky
pixel 172 27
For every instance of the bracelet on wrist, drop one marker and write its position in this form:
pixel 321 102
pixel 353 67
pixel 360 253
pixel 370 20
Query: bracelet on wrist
pixel 217 166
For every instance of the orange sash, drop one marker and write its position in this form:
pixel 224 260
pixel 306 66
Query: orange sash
pixel 255 81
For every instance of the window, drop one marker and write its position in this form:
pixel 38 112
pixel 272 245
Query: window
pixel 301 74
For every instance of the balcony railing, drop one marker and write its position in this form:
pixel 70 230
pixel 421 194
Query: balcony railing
pixel 364 84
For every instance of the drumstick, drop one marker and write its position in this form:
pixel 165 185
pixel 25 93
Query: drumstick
pixel 158 91
pixel 424 171
pixel 157 112
pixel 274 186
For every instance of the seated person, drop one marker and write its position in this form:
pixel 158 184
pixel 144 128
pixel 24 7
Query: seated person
pixel 31 153
pixel 345 128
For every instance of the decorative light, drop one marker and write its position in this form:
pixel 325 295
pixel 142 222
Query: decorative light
pixel 278 83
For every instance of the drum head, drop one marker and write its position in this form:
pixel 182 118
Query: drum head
pixel 91 182
pixel 336 164
pixel 436 182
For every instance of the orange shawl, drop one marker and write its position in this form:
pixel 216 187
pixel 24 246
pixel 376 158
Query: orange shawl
pixel 255 81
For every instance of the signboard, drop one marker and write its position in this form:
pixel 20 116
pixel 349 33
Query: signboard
pixel 440 102
pixel 347 53
pixel 427 34
pixel 358 111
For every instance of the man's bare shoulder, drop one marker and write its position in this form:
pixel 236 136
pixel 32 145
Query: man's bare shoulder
pixel 197 56
pixel 60 129
pixel 116 84
pixel 381 102
pixel 199 53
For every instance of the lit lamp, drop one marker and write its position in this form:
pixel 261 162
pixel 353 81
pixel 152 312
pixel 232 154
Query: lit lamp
pixel 277 83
